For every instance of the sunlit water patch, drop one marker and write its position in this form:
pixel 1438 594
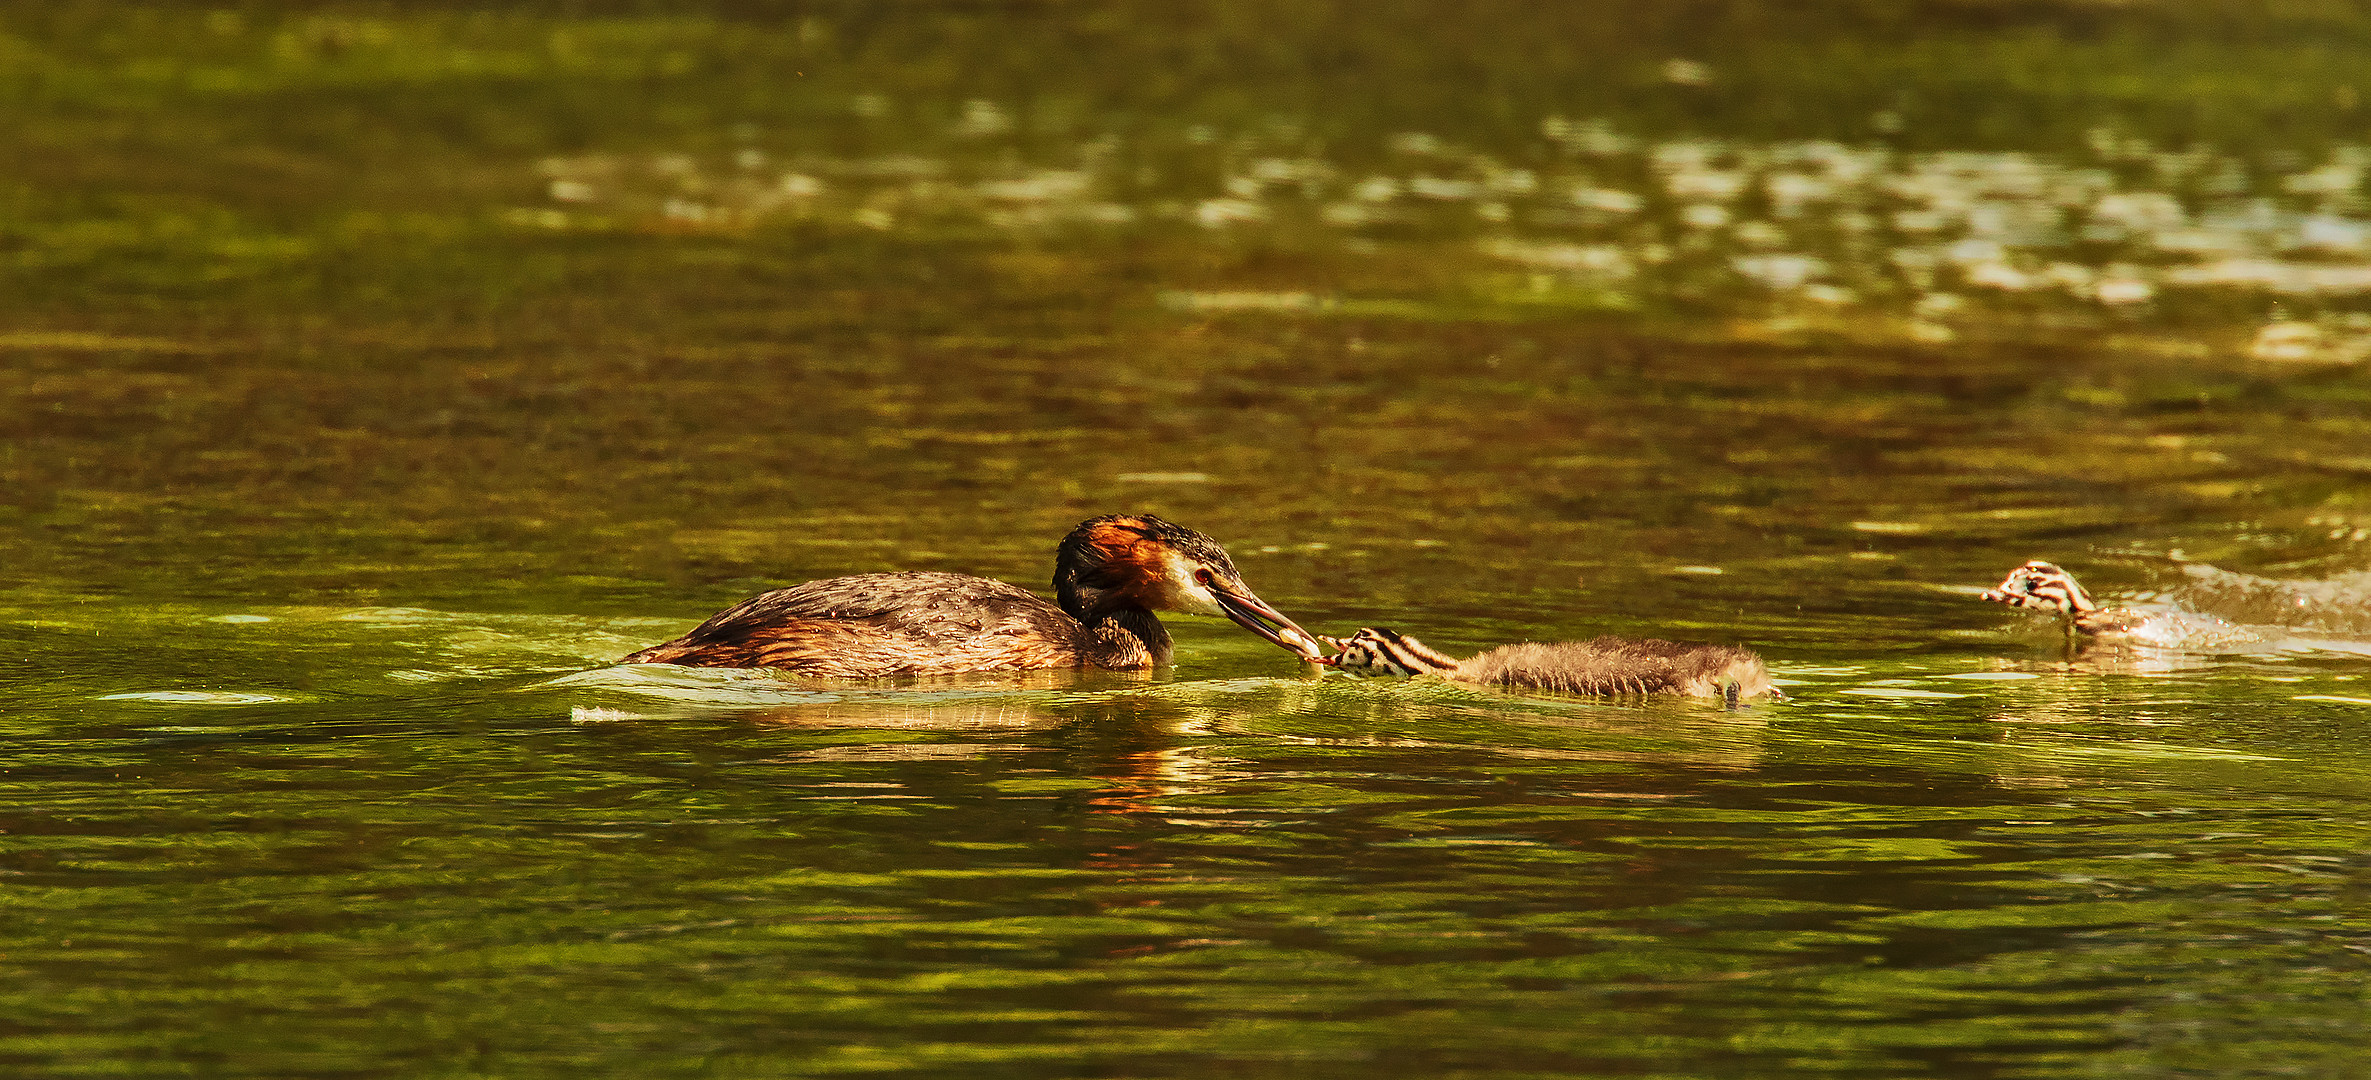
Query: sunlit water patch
pixel 1594 217
pixel 196 697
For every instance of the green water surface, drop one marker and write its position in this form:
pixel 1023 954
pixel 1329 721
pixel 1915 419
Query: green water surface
pixel 373 375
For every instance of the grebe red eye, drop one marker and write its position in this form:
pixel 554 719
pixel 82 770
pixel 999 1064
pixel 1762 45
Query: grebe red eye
pixel 1202 577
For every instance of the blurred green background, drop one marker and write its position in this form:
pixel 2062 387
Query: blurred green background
pixel 373 374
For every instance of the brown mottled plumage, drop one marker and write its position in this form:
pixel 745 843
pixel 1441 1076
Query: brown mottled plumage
pixel 1606 665
pixel 1110 575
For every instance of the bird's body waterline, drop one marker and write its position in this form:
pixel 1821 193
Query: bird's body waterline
pixel 1110 575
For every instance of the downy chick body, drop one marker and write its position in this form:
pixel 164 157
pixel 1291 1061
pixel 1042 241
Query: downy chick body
pixel 1603 666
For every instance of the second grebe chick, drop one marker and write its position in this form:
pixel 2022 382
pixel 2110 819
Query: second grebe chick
pixel 1110 574
pixel 1605 665
pixel 2044 586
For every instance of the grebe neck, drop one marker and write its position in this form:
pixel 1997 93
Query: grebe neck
pixel 1374 649
pixel 1418 656
pixel 1143 625
pixel 1089 589
pixel 1095 608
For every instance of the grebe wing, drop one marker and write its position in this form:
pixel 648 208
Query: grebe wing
pixel 923 604
pixel 871 625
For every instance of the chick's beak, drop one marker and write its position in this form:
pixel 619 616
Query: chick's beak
pixel 1250 613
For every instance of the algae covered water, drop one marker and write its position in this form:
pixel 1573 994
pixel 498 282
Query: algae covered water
pixel 371 377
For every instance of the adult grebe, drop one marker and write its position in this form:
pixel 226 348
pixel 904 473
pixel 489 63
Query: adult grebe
pixel 1606 665
pixel 2045 586
pixel 1110 575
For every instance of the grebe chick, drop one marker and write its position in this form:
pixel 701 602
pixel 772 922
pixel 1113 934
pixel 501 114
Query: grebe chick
pixel 2044 586
pixel 1606 665
pixel 1110 575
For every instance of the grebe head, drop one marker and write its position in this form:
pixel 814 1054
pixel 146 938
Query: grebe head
pixel 2042 585
pixel 1122 561
pixel 1376 651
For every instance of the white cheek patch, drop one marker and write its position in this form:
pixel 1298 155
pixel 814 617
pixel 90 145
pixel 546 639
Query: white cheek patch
pixel 1188 595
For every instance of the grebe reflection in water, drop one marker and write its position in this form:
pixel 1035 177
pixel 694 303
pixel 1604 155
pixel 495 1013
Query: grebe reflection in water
pixel 1110 575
